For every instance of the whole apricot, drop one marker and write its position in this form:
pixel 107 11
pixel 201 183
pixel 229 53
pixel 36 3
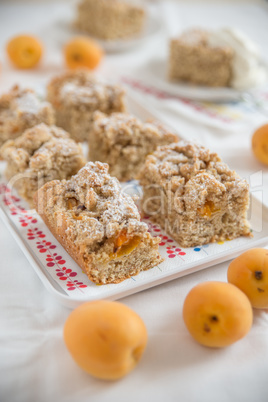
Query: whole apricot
pixel 82 52
pixel 249 272
pixel 260 144
pixel 106 339
pixel 24 51
pixel 217 314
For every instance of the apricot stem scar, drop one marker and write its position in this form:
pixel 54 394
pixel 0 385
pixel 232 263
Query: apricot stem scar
pixel 103 336
pixel 77 57
pixel 214 318
pixel 258 275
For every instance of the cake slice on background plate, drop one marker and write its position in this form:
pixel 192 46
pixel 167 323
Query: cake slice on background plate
pixel 110 19
pixel 224 57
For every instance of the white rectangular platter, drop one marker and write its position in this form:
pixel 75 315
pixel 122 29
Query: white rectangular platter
pixel 66 281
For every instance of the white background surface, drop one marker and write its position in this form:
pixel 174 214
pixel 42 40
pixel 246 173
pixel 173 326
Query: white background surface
pixel 34 363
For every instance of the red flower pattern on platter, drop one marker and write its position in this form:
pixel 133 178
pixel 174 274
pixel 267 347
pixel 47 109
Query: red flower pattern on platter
pixel 35 233
pixel 174 251
pixel 4 188
pixel 26 220
pixel 57 261
pixel 53 260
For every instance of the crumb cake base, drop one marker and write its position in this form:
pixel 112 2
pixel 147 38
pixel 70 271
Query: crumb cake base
pixel 115 271
pixel 192 233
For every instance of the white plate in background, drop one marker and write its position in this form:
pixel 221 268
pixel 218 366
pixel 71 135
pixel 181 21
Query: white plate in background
pixel 155 73
pixel 153 26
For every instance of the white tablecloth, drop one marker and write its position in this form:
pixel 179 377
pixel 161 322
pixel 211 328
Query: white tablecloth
pixel 35 365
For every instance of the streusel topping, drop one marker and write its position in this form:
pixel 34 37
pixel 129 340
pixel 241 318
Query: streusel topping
pixel 192 173
pixel 41 147
pixel 33 139
pixel 121 127
pixel 101 207
pixel 81 87
pixel 186 159
pixel 20 100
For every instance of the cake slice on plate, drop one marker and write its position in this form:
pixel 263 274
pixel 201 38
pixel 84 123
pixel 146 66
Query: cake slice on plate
pixel 42 153
pixel 76 95
pixel 123 141
pixel 98 225
pixel 21 109
pixel 194 195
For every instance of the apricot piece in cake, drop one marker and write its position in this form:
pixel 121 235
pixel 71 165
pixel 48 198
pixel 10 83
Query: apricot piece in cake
pixel 24 51
pixel 249 272
pixel 207 209
pixel 82 52
pixel 217 314
pixel 260 144
pixel 106 339
pixel 125 244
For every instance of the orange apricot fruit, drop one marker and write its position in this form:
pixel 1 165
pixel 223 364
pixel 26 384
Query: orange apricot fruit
pixel 82 52
pixel 249 272
pixel 260 144
pixel 217 314
pixel 24 51
pixel 105 338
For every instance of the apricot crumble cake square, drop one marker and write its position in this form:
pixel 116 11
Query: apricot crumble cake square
pixel 21 109
pixel 42 153
pixel 192 58
pixel 123 141
pixel 110 19
pixel 76 95
pixel 98 224
pixel 193 195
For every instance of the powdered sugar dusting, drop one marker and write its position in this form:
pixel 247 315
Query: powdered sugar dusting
pixel 89 91
pixel 28 102
pixel 107 209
